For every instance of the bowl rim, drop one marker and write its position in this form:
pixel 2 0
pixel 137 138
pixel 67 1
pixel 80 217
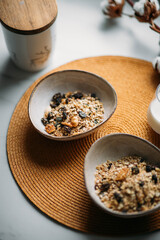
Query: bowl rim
pixel 108 210
pixel 79 135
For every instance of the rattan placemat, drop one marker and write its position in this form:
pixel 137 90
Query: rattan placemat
pixel 50 173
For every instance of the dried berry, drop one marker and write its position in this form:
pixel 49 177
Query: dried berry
pixel 135 170
pixel 139 205
pixel 50 115
pixel 141 183
pixel 109 166
pixel 58 101
pixel 142 160
pixel 148 168
pixel 55 96
pixel 53 105
pixel 118 197
pixel 154 178
pixel 105 187
pixel 59 119
pixel 152 200
pixel 93 95
pixel 77 95
pixel 44 121
pixel 63 95
pixel 66 129
pixel 64 115
pixel 66 100
pixel 82 114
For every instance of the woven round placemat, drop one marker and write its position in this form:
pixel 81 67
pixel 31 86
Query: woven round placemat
pixel 50 173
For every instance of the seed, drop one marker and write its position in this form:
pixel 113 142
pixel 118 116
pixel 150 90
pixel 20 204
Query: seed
pixel 93 95
pixel 135 170
pixel 117 197
pixel 148 168
pixel 77 95
pixel 82 114
pixel 141 183
pixel 154 178
pixel 59 119
pixel 109 166
pixel 50 115
pixel 44 121
pixel 105 187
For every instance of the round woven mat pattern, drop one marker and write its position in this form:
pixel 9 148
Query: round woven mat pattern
pixel 50 173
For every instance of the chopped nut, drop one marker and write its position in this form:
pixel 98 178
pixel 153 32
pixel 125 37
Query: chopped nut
pixel 74 121
pixel 50 128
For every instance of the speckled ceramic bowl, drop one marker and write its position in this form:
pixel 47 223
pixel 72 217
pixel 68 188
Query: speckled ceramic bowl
pixel 65 81
pixel 113 147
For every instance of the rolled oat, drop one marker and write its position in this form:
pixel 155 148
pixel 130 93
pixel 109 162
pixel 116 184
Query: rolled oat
pixel 128 185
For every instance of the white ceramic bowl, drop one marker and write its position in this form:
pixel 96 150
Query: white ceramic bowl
pixel 65 81
pixel 113 147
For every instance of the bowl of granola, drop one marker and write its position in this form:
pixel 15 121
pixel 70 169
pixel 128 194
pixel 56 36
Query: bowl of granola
pixel 122 175
pixel 71 104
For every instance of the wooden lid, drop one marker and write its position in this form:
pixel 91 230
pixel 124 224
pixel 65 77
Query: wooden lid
pixel 28 16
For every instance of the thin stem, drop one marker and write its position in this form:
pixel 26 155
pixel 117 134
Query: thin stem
pixel 128 15
pixel 130 2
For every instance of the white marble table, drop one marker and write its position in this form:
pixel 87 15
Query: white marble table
pixel 82 31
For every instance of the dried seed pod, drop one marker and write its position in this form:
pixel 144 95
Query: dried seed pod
pixel 74 121
pixel 146 10
pixel 112 8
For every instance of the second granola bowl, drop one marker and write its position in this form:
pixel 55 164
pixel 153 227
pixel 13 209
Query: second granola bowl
pixel 114 147
pixel 64 82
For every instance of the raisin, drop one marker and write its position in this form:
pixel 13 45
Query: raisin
pixel 59 119
pixel 139 205
pixel 55 96
pixel 105 187
pixel 82 114
pixel 58 101
pixel 148 168
pixel 109 166
pixel 135 170
pixel 44 121
pixel 118 197
pixel 66 100
pixel 50 115
pixel 142 160
pixel 53 105
pixel 77 95
pixel 64 115
pixel 66 129
pixel 154 178
pixel 93 95
pixel 141 183
pixel 152 200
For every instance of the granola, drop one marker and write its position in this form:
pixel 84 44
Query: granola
pixel 128 185
pixel 72 113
